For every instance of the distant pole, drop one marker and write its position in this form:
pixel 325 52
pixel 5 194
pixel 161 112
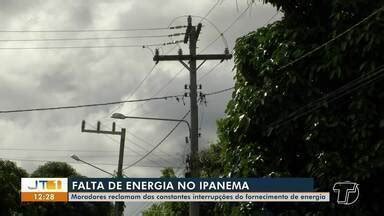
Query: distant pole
pixel 192 35
pixel 119 206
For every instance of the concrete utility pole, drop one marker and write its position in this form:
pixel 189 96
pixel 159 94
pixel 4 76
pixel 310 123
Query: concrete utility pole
pixel 119 206
pixel 192 35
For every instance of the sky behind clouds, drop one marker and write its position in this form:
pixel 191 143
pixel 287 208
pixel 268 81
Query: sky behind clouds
pixel 58 77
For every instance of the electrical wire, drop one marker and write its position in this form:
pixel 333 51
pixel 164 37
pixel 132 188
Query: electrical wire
pixel 271 18
pixel 102 164
pixel 87 38
pixel 102 104
pixel 166 155
pixel 142 81
pixel 210 71
pixel 221 34
pixel 87 47
pixel 149 144
pixel 92 155
pixel 219 92
pixel 156 146
pixel 348 88
pixel 160 90
pixel 209 22
pixel 134 90
pixel 211 9
pixel 331 40
pixel 87 105
pixel 86 30
pixel 132 149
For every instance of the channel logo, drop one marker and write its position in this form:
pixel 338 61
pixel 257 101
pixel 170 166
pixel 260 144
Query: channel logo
pixel 347 192
pixel 46 185
pixel 44 189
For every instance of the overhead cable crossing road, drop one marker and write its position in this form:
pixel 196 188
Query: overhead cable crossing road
pixel 94 104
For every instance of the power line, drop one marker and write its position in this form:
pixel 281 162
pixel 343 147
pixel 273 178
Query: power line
pixel 87 30
pixel 220 91
pixel 271 18
pixel 331 40
pixel 209 22
pixel 133 150
pixel 317 104
pixel 332 96
pixel 102 104
pixel 90 38
pixel 88 47
pixel 102 153
pixel 156 146
pixel 221 34
pixel 167 155
pixel 149 144
pixel 211 9
pixel 102 164
pixel 210 71
pixel 142 81
pixel 87 105
pixel 160 90
pixel 55 150
pixel 137 88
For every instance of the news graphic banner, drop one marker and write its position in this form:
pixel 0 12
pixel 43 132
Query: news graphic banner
pixel 170 190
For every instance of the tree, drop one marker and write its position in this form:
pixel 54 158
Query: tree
pixel 55 169
pixel 10 184
pixel 342 139
pixel 64 170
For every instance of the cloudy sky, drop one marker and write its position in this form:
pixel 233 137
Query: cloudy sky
pixel 34 77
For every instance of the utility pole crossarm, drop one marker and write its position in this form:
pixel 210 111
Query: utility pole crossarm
pixel 190 57
pixel 99 131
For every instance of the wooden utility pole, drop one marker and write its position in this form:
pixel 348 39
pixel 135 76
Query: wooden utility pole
pixel 192 35
pixel 119 206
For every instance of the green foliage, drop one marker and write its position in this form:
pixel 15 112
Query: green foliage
pixel 211 162
pixel 55 169
pixel 341 141
pixel 167 208
pixel 61 169
pixel 168 173
pixel 10 183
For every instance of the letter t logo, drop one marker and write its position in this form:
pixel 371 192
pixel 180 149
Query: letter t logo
pixel 347 192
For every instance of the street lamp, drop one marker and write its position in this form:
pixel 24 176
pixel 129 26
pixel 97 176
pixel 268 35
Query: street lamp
pixel 75 157
pixel 122 116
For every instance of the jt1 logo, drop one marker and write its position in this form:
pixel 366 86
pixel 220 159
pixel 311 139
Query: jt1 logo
pixel 46 185
pixel 347 192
